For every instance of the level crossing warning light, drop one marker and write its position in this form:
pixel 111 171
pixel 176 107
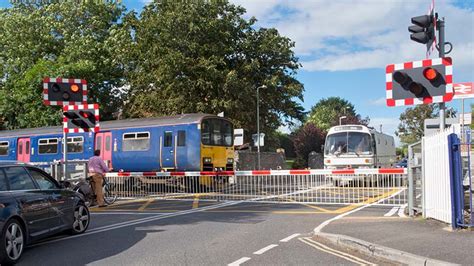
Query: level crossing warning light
pixel 81 118
pixel 419 82
pixel 64 91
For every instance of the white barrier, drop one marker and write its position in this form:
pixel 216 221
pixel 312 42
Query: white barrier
pixel 349 186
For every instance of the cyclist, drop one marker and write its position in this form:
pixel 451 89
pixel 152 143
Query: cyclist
pixel 97 170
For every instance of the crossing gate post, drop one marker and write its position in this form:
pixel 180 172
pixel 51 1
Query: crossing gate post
pixel 455 169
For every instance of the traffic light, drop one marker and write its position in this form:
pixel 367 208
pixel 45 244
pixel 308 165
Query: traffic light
pixel 419 82
pixel 423 30
pixel 81 118
pixel 59 91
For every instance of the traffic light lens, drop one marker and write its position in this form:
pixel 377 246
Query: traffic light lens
pixel 400 77
pixel 84 114
pixel 416 88
pixel 74 88
pixel 66 96
pixel 430 73
pixel 55 87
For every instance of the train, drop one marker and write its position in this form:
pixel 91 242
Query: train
pixel 187 142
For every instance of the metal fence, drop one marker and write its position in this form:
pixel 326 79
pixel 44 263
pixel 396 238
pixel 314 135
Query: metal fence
pixel 352 186
pixel 415 178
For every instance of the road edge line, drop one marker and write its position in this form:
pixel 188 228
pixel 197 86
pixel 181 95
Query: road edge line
pixel 379 251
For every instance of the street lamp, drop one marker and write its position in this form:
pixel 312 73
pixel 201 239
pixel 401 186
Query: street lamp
pixel 340 119
pixel 258 124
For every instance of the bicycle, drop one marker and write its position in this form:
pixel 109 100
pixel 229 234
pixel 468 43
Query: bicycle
pixel 84 187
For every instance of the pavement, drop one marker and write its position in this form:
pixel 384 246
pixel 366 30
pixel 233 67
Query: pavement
pixel 425 238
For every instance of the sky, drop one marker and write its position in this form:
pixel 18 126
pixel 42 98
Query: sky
pixel 344 45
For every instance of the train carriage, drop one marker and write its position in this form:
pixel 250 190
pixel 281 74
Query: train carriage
pixel 188 142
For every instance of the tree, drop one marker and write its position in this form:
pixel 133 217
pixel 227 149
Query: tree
pixel 63 39
pixel 326 113
pixel 412 121
pixel 307 139
pixel 204 57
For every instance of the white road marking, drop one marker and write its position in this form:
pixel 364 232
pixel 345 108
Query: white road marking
pixel 392 211
pixel 334 252
pixel 289 238
pixel 265 249
pixel 323 224
pixel 418 196
pixel 401 211
pixel 128 213
pixel 239 261
pixel 140 221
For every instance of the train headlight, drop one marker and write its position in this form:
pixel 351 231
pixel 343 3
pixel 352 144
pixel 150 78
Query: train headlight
pixel 207 160
pixel 230 160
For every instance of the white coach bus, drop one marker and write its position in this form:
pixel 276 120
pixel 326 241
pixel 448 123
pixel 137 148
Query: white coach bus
pixel 357 146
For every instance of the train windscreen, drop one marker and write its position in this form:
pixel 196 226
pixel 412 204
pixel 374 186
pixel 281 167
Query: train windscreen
pixel 217 132
pixel 348 143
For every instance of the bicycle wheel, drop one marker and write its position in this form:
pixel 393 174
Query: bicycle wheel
pixel 109 197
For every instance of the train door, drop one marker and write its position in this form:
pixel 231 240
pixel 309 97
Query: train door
pixel 23 150
pixel 167 150
pixel 103 142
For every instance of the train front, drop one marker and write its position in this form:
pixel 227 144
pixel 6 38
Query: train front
pixel 217 151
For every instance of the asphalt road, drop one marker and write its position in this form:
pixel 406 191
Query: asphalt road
pixel 184 233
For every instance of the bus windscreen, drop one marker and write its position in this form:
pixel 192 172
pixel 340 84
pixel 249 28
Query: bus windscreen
pixel 348 143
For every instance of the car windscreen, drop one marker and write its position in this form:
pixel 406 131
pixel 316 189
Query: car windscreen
pixel 348 143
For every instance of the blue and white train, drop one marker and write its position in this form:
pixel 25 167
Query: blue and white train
pixel 188 142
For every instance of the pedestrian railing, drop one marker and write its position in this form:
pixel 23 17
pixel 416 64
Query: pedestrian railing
pixel 350 186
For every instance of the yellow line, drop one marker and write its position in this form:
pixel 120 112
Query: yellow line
pixel 196 201
pixel 313 207
pixel 143 207
pixel 368 201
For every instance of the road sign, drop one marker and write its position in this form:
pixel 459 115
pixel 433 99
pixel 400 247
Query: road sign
pixel 419 82
pixel 238 136
pixel 81 118
pixel 463 90
pixel 64 91
pixel 255 139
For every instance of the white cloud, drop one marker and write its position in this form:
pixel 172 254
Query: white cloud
pixel 378 102
pixel 348 35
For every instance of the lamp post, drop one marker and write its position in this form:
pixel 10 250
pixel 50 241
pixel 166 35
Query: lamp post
pixel 340 119
pixel 258 124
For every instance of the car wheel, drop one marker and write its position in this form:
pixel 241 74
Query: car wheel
pixel 81 219
pixel 13 242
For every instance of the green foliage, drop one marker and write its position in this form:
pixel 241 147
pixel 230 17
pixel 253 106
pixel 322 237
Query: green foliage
pixel 326 113
pixel 204 57
pixel 64 39
pixel 412 121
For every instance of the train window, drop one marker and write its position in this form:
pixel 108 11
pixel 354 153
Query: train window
pixel 181 138
pixel 27 147
pixel 98 143
pixel 107 143
pixel 227 131
pixel 206 133
pixel 136 141
pixel 48 146
pixel 75 144
pixel 20 148
pixel 4 148
pixel 168 139
pixel 216 133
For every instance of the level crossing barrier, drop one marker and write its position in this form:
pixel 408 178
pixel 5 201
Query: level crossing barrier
pixel 321 186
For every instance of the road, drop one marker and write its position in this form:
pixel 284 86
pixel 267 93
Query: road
pixel 158 232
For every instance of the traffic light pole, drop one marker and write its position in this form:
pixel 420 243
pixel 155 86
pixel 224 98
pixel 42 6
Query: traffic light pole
pixel 64 155
pixel 442 106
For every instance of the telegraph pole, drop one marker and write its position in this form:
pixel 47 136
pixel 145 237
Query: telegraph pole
pixel 442 106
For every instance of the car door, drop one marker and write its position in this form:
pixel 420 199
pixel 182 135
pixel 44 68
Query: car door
pixel 35 205
pixel 62 202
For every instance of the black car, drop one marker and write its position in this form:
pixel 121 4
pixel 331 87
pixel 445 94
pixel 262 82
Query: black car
pixel 33 206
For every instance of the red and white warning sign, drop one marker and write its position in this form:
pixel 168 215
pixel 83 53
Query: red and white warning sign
pixel 463 90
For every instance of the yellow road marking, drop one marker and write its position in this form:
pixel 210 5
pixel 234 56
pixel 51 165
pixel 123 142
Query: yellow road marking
pixel 368 201
pixel 196 201
pixel 143 207
pixel 313 207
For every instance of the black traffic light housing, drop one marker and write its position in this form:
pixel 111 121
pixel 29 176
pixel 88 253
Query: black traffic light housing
pixel 59 91
pixel 423 30
pixel 84 120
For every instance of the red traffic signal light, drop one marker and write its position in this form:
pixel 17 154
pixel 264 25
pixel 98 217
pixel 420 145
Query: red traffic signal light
pixel 81 118
pixel 419 82
pixel 60 91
